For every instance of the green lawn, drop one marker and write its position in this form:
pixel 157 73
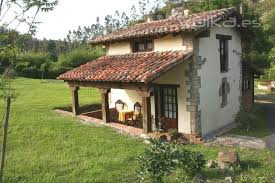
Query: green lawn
pixel 46 147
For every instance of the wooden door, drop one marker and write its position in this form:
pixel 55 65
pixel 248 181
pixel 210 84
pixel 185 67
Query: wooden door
pixel 169 107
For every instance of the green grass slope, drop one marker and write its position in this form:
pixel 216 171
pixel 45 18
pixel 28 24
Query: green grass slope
pixel 46 147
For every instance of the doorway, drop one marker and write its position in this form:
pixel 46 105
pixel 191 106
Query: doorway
pixel 168 107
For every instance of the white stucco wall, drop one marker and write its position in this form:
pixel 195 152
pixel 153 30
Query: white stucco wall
pixel 130 97
pixel 177 76
pixel 171 43
pixel 213 116
pixel 119 48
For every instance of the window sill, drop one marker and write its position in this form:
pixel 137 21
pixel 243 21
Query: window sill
pixel 224 72
pixel 142 51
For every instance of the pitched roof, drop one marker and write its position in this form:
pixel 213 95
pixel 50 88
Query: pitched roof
pixel 172 25
pixel 135 68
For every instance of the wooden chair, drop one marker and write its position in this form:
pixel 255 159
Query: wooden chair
pixel 136 116
pixel 119 105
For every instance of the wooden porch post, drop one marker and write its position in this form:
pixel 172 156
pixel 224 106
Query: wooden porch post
pixel 146 109
pixel 75 104
pixel 105 105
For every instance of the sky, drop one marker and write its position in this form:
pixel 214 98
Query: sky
pixel 69 14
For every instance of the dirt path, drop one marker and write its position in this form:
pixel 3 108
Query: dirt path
pixel 270 140
pixel 269 101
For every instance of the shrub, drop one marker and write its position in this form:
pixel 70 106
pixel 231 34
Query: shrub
pixel 246 118
pixel 269 75
pixel 78 57
pixel 29 64
pixel 75 58
pixel 41 65
pixel 161 159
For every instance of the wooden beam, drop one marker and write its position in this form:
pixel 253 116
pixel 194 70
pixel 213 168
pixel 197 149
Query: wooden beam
pixel 75 104
pixel 146 108
pixel 105 105
pixel 156 94
pixel 108 85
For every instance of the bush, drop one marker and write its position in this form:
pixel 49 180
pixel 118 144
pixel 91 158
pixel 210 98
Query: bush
pixel 73 59
pixel 39 65
pixel 269 75
pixel 78 57
pixel 29 64
pixel 161 159
pixel 247 118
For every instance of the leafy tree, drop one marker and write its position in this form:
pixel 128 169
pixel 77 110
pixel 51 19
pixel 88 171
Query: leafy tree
pixel 257 45
pixel 133 14
pixel 82 35
pixel 14 43
pixel 52 49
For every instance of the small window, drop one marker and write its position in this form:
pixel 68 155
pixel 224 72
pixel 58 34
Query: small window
pixel 142 46
pixel 246 84
pixel 223 55
pixel 223 49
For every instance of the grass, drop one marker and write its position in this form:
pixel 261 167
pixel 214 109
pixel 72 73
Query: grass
pixel 46 147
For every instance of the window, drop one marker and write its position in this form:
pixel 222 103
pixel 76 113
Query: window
pixel 223 49
pixel 223 55
pixel 142 46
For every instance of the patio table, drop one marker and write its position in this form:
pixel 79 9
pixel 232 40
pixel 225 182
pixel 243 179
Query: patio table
pixel 125 114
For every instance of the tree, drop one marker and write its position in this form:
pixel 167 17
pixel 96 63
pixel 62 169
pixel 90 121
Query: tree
pixel 52 49
pixel 133 14
pixel 14 13
pixel 258 43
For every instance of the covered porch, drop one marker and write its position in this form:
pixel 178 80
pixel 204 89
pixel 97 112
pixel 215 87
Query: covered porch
pixel 152 76
pixel 108 114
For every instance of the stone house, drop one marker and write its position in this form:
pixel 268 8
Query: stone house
pixel 181 69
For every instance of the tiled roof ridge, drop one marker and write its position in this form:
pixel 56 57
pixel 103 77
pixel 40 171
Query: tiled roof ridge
pixel 179 24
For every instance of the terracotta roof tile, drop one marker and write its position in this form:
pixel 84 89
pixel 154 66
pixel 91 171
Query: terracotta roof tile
pixel 172 25
pixel 137 67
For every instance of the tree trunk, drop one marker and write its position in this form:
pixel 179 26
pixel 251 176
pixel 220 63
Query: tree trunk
pixel 6 124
